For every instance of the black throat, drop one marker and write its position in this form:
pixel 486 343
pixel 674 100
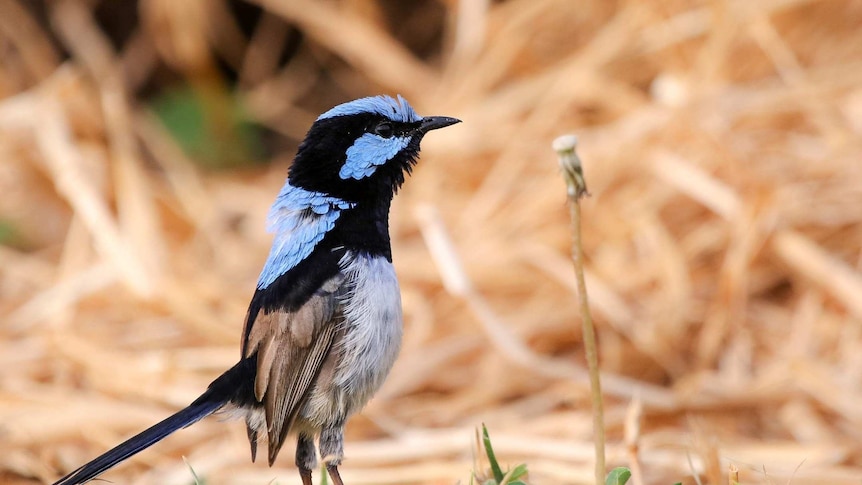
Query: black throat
pixel 363 229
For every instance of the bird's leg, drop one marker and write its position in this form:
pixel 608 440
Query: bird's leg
pixel 332 450
pixel 306 459
pixel 333 473
pixel 305 474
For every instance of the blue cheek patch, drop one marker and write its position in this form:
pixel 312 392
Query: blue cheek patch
pixel 300 219
pixel 368 152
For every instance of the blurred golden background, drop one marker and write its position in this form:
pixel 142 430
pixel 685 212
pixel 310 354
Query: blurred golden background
pixel 141 144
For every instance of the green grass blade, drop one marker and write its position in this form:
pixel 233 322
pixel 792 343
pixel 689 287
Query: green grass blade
pixel 197 480
pixel 324 476
pixel 489 450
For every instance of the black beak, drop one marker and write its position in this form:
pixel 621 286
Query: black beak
pixel 434 122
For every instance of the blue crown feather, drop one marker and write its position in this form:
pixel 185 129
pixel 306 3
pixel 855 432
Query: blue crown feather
pixel 395 110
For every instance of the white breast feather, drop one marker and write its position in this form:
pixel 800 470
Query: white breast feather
pixel 373 326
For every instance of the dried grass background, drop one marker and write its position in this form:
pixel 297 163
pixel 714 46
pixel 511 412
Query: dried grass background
pixel 722 144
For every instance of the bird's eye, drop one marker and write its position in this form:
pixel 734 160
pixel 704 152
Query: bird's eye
pixel 384 129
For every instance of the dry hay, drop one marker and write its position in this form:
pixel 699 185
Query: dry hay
pixel 722 149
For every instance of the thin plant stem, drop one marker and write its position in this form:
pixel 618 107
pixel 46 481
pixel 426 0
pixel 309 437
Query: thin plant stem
pixel 576 189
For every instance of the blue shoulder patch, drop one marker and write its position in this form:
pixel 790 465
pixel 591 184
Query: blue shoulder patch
pixel 299 218
pixel 395 110
pixel 368 152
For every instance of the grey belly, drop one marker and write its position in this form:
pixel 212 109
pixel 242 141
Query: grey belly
pixel 365 348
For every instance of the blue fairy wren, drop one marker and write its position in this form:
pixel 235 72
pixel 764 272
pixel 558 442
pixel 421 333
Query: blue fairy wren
pixel 324 326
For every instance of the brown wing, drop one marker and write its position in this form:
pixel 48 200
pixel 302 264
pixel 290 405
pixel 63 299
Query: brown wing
pixel 291 347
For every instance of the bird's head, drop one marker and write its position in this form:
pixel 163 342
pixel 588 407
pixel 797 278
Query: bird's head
pixel 361 150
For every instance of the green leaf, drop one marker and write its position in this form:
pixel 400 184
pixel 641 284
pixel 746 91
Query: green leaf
pixel 492 459
pixel 11 236
pixel 618 476
pixel 518 472
pixel 7 232
pixel 210 124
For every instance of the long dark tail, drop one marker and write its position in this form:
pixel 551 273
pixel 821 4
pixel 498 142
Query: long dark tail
pixel 230 386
